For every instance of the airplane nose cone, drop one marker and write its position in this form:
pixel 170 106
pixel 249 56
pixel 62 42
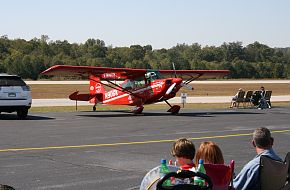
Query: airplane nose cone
pixel 177 80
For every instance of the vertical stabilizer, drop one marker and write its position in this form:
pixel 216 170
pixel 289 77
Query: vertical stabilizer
pixel 96 88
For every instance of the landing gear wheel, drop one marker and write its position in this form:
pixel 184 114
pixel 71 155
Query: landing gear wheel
pixel 22 113
pixel 94 108
pixel 137 109
pixel 174 109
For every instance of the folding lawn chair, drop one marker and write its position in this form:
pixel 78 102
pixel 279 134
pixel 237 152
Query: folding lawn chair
pixel 274 175
pixel 151 179
pixel 247 99
pixel 221 175
pixel 184 174
pixel 240 99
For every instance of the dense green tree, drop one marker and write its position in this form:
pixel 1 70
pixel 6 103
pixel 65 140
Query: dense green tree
pixel 233 50
pixel 256 60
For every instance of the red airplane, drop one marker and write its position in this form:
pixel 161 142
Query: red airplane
pixel 139 86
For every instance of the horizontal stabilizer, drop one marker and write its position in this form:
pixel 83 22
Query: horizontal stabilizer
pixel 81 97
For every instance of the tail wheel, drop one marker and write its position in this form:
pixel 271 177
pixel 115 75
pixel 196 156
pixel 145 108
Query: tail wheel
pixel 22 113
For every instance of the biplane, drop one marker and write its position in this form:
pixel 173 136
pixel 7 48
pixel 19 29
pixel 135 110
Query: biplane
pixel 138 87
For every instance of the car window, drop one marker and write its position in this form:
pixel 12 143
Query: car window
pixel 11 81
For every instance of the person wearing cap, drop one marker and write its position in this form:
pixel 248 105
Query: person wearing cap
pixel 248 178
pixel 234 99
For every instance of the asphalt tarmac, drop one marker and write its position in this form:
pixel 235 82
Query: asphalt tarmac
pixel 114 150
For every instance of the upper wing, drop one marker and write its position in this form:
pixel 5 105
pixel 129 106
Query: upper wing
pixel 126 73
pixel 101 72
pixel 194 74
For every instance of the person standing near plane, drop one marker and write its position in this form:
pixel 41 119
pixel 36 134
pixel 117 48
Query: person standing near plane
pixel 248 178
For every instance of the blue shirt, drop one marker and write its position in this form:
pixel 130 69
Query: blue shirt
pixel 248 178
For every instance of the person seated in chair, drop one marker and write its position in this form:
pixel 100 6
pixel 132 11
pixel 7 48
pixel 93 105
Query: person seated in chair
pixel 220 174
pixel 184 151
pixel 263 100
pixel 255 99
pixel 248 178
pixel 210 153
pixel 235 97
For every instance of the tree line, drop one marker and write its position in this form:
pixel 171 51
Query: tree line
pixel 28 58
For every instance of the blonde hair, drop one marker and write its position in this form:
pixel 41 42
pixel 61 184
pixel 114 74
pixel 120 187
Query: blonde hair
pixel 210 153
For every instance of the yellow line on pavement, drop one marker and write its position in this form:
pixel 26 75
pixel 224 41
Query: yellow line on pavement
pixel 131 143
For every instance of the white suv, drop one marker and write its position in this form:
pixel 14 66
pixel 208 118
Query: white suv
pixel 15 95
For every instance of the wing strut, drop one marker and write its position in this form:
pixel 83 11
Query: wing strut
pixel 192 78
pixel 116 87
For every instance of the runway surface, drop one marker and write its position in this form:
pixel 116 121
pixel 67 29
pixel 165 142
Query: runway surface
pixel 114 150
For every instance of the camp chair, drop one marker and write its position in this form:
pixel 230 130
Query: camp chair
pixel 256 97
pixel 274 175
pixel 247 99
pixel 221 175
pixel 268 97
pixel 240 99
pixel 184 174
pixel 264 102
pixel 151 179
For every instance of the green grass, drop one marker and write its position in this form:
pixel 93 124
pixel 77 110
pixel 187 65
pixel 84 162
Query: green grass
pixel 147 107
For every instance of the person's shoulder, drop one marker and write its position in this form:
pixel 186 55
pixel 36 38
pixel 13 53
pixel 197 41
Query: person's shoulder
pixel 253 164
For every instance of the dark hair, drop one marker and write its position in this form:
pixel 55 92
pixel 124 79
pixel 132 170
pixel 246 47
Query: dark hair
pixel 183 148
pixel 6 187
pixel 262 137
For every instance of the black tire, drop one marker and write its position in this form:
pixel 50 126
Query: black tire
pixel 94 108
pixel 22 113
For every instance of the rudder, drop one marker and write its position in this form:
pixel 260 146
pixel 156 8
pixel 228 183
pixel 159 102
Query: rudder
pixel 96 88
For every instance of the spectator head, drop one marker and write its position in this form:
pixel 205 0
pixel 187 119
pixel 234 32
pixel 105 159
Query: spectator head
pixel 262 88
pixel 262 138
pixel 210 153
pixel 240 89
pixel 183 148
pixel 6 187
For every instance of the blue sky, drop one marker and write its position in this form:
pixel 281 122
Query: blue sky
pixel 160 23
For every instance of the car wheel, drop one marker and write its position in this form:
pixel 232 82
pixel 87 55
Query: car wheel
pixel 22 114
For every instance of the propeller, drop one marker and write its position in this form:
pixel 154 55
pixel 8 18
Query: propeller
pixel 186 86
pixel 173 66
pixel 182 84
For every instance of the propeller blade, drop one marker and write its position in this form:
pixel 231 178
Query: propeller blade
pixel 169 90
pixel 186 86
pixel 173 66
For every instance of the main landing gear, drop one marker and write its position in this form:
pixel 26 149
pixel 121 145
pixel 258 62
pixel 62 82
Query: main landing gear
pixel 94 108
pixel 137 109
pixel 173 109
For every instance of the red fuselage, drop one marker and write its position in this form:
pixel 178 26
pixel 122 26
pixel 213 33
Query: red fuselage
pixel 149 93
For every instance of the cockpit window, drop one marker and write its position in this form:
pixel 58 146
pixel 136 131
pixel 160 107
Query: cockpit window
pixel 129 84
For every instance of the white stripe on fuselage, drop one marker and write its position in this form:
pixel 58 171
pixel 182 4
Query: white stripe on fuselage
pixel 134 92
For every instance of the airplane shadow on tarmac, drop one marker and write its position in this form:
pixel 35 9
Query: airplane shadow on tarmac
pixel 29 117
pixel 126 113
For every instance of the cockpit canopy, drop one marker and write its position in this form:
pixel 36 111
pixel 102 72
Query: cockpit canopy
pixel 153 75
